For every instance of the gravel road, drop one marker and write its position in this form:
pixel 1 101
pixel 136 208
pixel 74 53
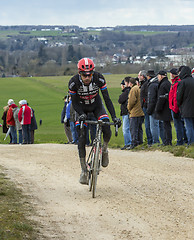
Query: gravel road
pixel 140 195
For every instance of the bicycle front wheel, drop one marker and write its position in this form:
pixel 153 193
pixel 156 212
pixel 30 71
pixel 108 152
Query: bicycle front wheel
pixel 95 169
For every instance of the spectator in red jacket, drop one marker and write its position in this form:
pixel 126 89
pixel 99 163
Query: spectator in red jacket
pixel 25 114
pixel 178 121
pixel 10 121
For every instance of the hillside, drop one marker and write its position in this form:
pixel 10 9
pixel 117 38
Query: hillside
pixel 49 50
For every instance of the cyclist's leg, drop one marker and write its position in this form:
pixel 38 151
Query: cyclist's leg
pixel 82 153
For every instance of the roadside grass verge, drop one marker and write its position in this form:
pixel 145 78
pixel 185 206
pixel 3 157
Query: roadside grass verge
pixel 14 209
pixel 177 151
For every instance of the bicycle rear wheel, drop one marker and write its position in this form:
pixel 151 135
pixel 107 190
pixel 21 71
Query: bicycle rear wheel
pixel 95 169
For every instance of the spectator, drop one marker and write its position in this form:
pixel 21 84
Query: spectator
pixel 11 122
pixel 33 126
pixel 162 109
pixel 155 127
pixel 178 121
pixel 4 118
pixel 65 121
pixel 25 114
pixel 123 100
pixel 185 100
pixel 143 83
pixel 136 114
pixel 70 113
pixel 18 124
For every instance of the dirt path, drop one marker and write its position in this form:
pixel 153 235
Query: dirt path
pixel 141 195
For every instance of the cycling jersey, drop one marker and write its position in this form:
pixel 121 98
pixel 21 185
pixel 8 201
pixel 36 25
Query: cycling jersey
pixel 86 98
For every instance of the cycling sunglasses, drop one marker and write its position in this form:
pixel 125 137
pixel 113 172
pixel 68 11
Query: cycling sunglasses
pixel 84 74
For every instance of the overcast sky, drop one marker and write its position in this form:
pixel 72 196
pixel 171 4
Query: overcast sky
pixel 98 13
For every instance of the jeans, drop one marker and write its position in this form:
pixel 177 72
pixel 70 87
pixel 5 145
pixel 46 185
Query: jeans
pixel 167 133
pixel 161 131
pixel 90 133
pixel 13 134
pixel 180 129
pixel 136 130
pixel 20 136
pixel 26 131
pixel 126 129
pixel 74 132
pixel 147 127
pixel 154 127
pixel 189 125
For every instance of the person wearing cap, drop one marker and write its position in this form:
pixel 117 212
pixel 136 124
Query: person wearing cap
pixel 122 85
pixel 162 106
pixel 178 121
pixel 25 114
pixel 123 99
pixel 136 114
pixel 155 125
pixel 143 83
pixel 10 120
pixel 185 100
pixel 18 125
pixel 64 121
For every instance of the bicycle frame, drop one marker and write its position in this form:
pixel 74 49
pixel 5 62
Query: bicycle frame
pixel 94 160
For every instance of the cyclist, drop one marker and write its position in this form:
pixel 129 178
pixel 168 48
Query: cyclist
pixel 84 89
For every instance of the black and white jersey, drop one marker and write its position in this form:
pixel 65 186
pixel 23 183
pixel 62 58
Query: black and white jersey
pixel 87 98
pixel 87 94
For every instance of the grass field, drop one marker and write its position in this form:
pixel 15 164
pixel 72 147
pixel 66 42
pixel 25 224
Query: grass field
pixel 45 96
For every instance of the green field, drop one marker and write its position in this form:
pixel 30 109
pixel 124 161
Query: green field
pixel 45 96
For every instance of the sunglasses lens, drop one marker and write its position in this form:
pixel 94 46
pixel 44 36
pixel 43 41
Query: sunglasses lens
pixel 86 75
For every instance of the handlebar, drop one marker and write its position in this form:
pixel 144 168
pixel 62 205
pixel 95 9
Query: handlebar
pixel 100 122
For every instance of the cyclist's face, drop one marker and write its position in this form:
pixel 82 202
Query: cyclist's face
pixel 86 78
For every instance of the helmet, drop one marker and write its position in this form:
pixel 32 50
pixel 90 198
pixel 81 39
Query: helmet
pixel 85 65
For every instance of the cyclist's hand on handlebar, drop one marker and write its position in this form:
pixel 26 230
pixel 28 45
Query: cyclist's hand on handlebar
pixel 117 121
pixel 82 117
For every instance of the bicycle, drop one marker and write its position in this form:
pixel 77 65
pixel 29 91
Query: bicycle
pixel 94 160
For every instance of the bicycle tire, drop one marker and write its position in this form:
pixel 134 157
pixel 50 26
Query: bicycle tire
pixel 95 169
pixel 90 170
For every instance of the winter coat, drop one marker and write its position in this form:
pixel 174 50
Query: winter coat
pixel 172 95
pixel 185 93
pixel 134 104
pixel 144 93
pixel 15 115
pixel 68 109
pixel 25 114
pixel 4 117
pixel 73 115
pixel 152 95
pixel 33 122
pixel 10 119
pixel 162 109
pixel 123 99
pixel 63 113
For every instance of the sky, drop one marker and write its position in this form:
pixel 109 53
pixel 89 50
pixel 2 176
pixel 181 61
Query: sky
pixel 97 13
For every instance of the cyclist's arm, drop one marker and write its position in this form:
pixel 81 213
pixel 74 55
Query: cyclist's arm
pixel 74 97
pixel 108 103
